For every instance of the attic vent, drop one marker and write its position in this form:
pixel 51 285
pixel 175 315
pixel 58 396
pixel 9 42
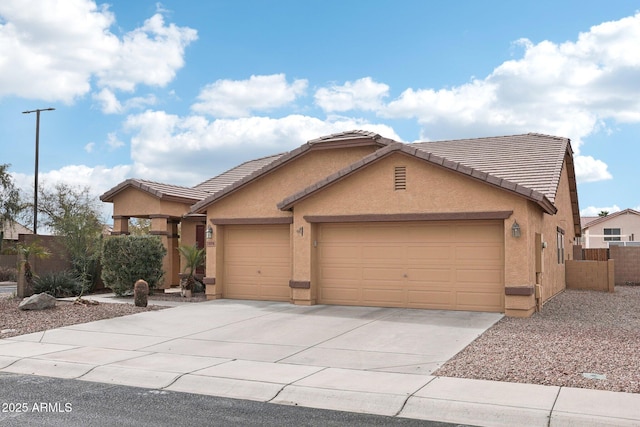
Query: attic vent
pixel 400 178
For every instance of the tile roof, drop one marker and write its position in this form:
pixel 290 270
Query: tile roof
pixel 586 220
pixel 229 177
pixel 191 194
pixel 529 165
pixel 157 189
pixel 532 160
pixel 416 151
pixel 600 219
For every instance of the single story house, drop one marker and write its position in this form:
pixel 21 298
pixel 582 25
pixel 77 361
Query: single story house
pixel 619 228
pixel 353 218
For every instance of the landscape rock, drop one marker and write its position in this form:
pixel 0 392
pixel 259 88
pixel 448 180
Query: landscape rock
pixel 38 302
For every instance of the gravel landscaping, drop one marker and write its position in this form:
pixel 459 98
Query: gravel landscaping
pixel 576 333
pixel 582 339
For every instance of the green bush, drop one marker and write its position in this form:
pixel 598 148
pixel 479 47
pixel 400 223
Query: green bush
pixel 60 285
pixel 8 274
pixel 126 259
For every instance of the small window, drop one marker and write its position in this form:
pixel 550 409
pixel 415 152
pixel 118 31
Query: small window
pixel 560 235
pixel 611 234
pixel 400 178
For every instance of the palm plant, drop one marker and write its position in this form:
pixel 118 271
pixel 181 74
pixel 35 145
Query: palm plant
pixel 27 251
pixel 194 257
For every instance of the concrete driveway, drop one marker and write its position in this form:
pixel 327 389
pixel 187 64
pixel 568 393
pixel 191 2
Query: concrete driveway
pixel 359 359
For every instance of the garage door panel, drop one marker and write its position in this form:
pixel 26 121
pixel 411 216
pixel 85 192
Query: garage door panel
pixel 275 254
pixel 342 295
pixel 479 253
pixel 340 273
pixel 479 276
pixel 444 265
pixel 274 291
pixel 340 252
pixel 257 262
pixel 431 253
pixel 432 234
pixel 430 275
pixel 479 301
pixel 382 273
pixel 382 252
pixel 381 234
pixel 481 232
pixel 340 233
pixel 434 299
pixel 239 253
pixel 390 297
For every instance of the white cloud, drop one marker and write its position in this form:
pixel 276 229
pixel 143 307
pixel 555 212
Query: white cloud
pixel 113 141
pixel 363 94
pixel 239 98
pixel 149 55
pixel 51 50
pixel 570 89
pixel 594 211
pixel 109 104
pixel 589 169
pixel 108 101
pixel 187 150
pixel 89 147
pixel 98 179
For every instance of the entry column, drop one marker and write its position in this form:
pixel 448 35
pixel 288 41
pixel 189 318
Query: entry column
pixel 167 229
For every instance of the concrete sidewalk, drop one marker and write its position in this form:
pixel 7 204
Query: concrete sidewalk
pixel 358 359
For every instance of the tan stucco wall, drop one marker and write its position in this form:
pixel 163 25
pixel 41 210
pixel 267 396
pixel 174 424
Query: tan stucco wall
pixel 260 198
pixel 628 223
pixel 138 204
pixel 430 189
pixel 553 276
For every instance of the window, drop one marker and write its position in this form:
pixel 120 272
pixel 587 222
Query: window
pixel 611 234
pixel 560 235
pixel 400 178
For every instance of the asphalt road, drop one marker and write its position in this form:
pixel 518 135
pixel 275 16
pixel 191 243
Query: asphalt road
pixel 41 401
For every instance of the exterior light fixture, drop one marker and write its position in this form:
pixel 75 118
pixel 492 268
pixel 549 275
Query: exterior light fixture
pixel 515 229
pixel 209 233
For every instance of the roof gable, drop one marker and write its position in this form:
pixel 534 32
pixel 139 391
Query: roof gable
pixel 415 151
pixel 337 140
pixel 161 191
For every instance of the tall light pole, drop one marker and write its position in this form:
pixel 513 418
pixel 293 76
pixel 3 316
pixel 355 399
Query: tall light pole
pixel 35 190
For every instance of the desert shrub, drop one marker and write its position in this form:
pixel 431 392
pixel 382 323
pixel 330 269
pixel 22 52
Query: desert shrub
pixel 8 274
pixel 125 259
pixel 60 285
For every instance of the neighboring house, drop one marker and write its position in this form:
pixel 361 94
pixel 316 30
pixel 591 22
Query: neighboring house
pixel 619 228
pixel 11 232
pixel 357 219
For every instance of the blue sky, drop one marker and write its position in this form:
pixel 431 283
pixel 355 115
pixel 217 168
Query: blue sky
pixel 179 91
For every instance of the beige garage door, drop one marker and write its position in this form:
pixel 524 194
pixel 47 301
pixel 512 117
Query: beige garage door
pixel 257 262
pixel 437 265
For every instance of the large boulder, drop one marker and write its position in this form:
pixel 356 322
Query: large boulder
pixel 38 302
